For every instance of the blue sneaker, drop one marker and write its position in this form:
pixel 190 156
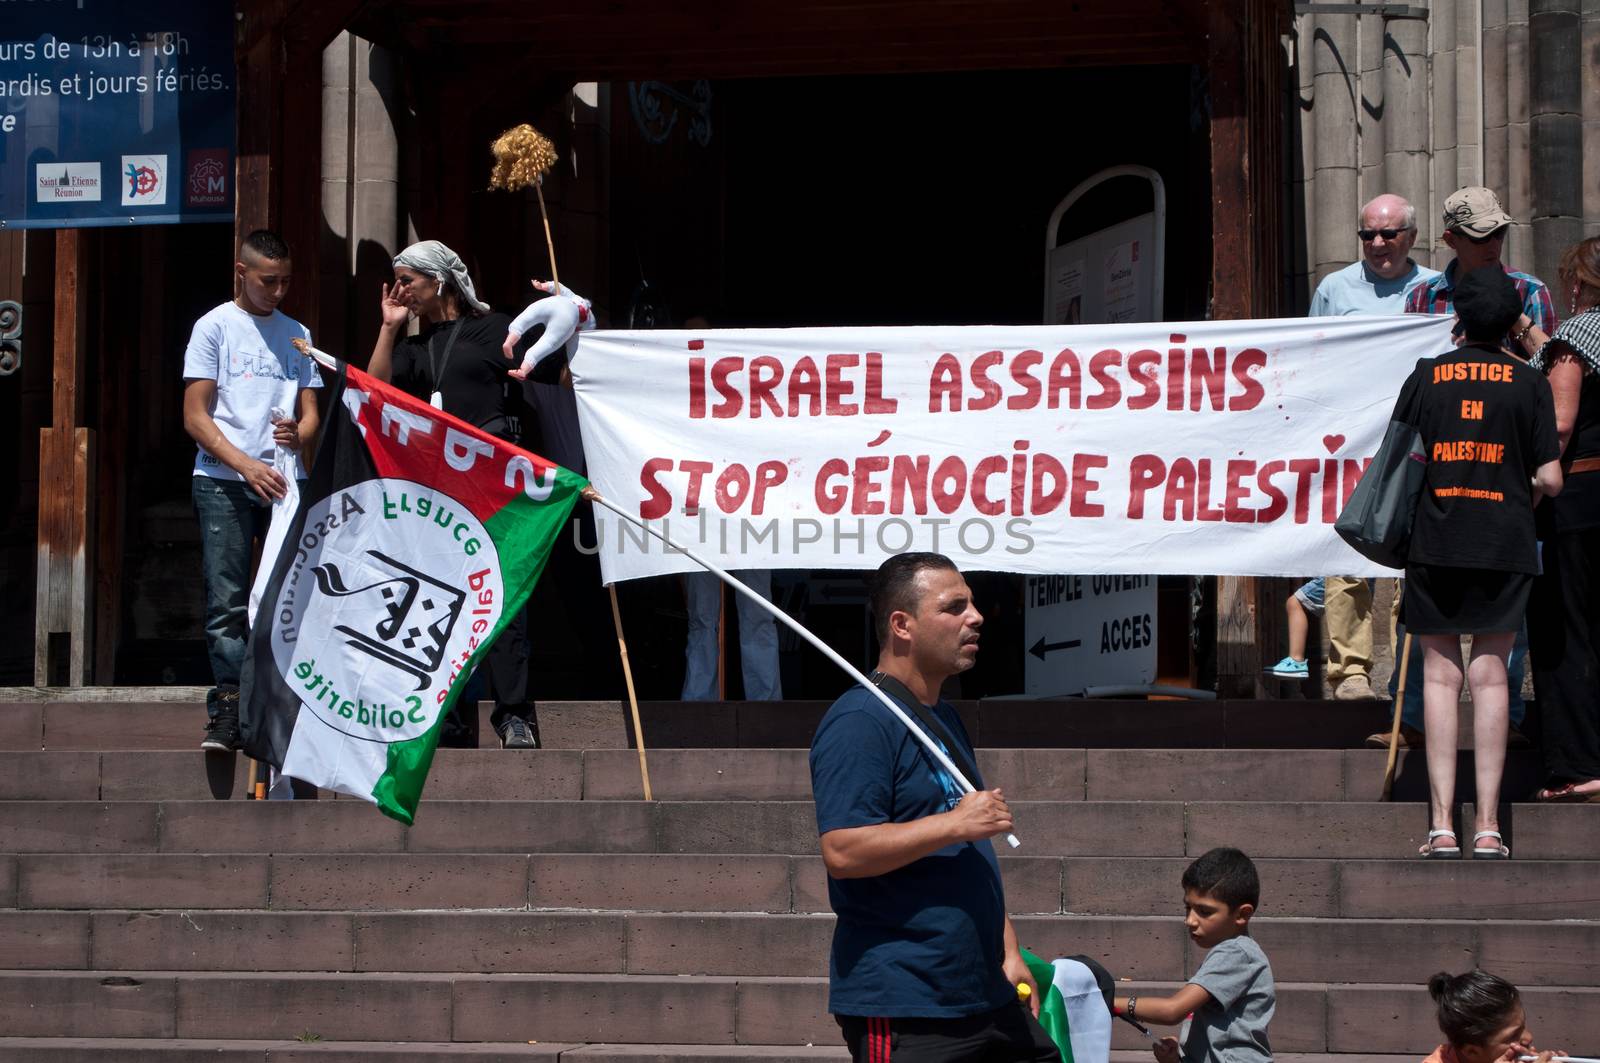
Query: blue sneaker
pixel 1289 668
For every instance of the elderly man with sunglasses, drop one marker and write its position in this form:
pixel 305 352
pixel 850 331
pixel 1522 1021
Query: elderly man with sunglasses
pixel 1377 283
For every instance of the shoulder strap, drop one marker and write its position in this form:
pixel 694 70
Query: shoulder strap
pixel 958 754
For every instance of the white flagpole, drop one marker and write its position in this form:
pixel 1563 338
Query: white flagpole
pixel 827 651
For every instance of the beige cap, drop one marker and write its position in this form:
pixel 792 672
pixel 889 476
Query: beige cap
pixel 1475 211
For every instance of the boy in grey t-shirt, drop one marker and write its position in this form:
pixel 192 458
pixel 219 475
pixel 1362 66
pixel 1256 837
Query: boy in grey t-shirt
pixel 1228 1003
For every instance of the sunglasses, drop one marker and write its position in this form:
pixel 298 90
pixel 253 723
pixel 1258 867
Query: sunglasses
pixel 1481 240
pixel 1368 235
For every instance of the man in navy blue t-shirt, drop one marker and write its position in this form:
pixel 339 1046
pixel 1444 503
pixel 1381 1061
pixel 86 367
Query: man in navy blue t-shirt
pixel 925 964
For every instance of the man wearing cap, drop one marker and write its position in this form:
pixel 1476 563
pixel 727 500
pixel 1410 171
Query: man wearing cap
pixel 1377 283
pixel 1475 228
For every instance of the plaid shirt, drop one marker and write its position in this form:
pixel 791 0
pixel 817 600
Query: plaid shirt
pixel 1438 296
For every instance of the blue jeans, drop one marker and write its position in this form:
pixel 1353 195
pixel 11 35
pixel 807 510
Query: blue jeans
pixel 1411 711
pixel 758 637
pixel 231 518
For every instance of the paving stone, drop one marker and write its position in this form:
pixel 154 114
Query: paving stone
pixel 86 1004
pixel 278 827
pixel 335 1007
pixel 737 827
pixel 21 727
pixel 1093 724
pixel 533 827
pixel 117 1050
pixel 1546 832
pixel 1528 953
pixel 1293 829
pixel 77 827
pixel 1401 1018
pixel 412 1052
pixel 1468 889
pixel 1034 774
pixel 132 880
pixel 1368 950
pixel 388 881
pixel 173 775
pixel 1137 947
pixel 699 775
pixel 584 1008
pixel 1214 775
pixel 1033 883
pixel 1148 886
pixel 767 945
pixel 785 1011
pixel 217 940
pixel 160 725
pixel 660 882
pixel 1100 828
pixel 723 1053
pixel 498 774
pixel 44 941
pixel 8 881
pixel 491 942
pixel 38 775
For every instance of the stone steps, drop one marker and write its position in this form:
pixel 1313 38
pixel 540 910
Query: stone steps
pixel 1304 830
pixel 1311 1016
pixel 770 775
pixel 94 1050
pixel 1087 885
pixel 1529 952
pixel 135 723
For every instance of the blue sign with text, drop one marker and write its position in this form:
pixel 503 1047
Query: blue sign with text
pixel 116 113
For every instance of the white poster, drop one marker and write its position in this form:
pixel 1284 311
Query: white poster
pixel 1086 631
pixel 1219 447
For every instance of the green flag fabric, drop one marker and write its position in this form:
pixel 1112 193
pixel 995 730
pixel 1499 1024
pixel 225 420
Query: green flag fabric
pixel 1072 1009
pixel 417 539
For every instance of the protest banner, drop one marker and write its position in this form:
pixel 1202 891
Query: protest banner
pixel 1221 447
pixel 417 540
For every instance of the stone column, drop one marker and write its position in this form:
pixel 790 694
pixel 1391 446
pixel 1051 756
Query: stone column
pixel 360 190
pixel 1519 178
pixel 1445 61
pixel 1496 166
pixel 1336 117
pixel 1373 113
pixel 1591 118
pixel 1406 123
pixel 1468 116
pixel 1555 131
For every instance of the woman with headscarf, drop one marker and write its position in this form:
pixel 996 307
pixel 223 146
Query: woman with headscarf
pixel 1564 613
pixel 455 362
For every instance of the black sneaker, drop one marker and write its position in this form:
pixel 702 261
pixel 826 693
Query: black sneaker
pixel 515 733
pixel 222 734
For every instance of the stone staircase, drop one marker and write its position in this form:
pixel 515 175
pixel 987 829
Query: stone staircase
pixel 540 909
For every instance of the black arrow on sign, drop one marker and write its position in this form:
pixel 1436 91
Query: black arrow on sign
pixel 1040 648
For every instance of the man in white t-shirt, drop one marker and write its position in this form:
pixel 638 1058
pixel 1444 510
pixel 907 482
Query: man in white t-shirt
pixel 239 365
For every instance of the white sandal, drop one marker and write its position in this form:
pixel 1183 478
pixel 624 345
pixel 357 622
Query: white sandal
pixel 1430 851
pixel 1499 852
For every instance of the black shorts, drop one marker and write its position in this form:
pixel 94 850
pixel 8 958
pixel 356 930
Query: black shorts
pixel 1440 600
pixel 1007 1033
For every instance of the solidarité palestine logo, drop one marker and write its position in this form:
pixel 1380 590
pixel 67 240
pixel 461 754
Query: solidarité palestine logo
pixel 393 586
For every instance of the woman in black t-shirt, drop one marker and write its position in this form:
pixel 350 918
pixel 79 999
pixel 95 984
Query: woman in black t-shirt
pixel 1488 424
pixel 455 362
pixel 1564 612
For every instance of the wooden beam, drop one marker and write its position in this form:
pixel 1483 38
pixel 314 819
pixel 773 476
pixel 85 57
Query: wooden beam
pixel 63 594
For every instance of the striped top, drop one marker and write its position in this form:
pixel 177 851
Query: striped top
pixel 1438 296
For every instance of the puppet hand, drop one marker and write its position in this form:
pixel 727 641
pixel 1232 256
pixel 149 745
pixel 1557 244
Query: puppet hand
pixel 561 319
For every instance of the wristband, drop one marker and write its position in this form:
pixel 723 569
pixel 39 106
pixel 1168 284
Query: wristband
pixel 1131 1011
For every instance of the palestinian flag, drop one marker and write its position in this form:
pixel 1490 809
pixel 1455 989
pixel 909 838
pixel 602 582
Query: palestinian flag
pixel 417 539
pixel 1076 1006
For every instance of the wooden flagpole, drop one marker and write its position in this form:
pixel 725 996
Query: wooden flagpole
pixel 627 677
pixel 938 754
pixel 1394 728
